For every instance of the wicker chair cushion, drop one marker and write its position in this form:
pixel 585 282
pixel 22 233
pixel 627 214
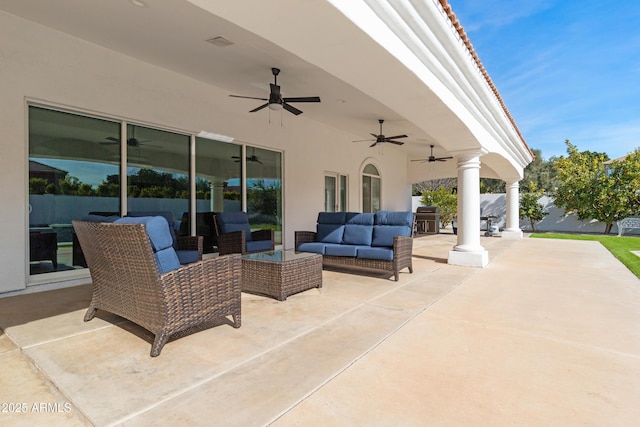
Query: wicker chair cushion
pixel 383 234
pixel 158 231
pixel 384 254
pixel 166 215
pixel 187 256
pixel 259 246
pixel 230 222
pixel 100 218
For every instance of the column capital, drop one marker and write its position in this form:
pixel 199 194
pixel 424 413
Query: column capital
pixel 469 154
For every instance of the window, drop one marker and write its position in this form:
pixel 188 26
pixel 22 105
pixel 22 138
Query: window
pixel 74 169
pixel 335 193
pixel 264 190
pixel 75 166
pixel 370 189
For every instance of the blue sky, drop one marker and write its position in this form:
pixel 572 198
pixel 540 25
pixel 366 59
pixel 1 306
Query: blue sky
pixel 566 69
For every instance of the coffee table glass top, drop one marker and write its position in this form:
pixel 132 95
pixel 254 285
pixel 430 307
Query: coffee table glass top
pixel 278 255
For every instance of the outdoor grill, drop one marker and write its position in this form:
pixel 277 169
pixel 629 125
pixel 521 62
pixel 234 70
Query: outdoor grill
pixel 428 220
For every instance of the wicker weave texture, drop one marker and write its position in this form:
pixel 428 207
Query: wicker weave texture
pixel 126 282
pixel 281 279
pixel 402 255
pixel 236 242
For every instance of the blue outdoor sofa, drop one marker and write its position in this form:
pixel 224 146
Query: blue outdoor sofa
pixel 381 241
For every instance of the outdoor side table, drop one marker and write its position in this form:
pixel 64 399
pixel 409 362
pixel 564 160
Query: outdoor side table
pixel 281 273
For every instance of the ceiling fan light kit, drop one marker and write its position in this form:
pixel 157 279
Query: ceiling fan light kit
pixel 276 101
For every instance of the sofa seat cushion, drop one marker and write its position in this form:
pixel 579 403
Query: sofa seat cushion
pixel 187 256
pixel 381 253
pixel 383 234
pixel 330 233
pixel 315 247
pixel 259 245
pixel 341 250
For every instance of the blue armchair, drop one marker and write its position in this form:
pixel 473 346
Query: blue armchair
pixel 235 236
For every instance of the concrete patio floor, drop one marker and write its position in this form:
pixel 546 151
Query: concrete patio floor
pixel 547 334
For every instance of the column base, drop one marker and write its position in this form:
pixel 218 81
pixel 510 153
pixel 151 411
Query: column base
pixel 512 234
pixel 469 259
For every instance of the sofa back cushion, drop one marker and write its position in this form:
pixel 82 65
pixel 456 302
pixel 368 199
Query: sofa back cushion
pixel 359 229
pixel 391 224
pixel 230 222
pixel 330 227
pixel 160 237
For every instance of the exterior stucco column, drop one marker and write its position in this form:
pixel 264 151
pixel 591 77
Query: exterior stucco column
pixel 469 251
pixel 512 230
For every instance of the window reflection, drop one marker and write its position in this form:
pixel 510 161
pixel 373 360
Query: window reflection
pixel 73 170
pixel 264 190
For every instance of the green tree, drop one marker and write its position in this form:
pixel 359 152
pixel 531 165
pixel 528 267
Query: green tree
pixel 445 200
pixel 491 185
pixel 37 185
pixel 530 208
pixel 542 173
pixel 591 191
pixel 264 199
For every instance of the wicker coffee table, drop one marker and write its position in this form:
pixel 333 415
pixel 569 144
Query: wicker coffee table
pixel 281 273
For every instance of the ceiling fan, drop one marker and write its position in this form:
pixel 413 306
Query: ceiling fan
pixel 433 158
pixel 381 138
pixel 131 142
pixel 251 158
pixel 276 101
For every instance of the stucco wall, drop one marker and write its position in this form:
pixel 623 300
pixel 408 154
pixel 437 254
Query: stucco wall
pixel 42 65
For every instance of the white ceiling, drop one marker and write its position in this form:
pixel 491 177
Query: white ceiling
pixel 173 33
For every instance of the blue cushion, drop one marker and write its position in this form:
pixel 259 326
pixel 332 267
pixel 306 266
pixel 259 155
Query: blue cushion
pixel 157 229
pixel 315 247
pixel 394 218
pixel 259 245
pixel 166 214
pixel 187 256
pixel 230 222
pixel 355 234
pixel 332 217
pixel 360 218
pixel 384 254
pixel 166 260
pixel 341 250
pixel 100 218
pixel 383 234
pixel 330 233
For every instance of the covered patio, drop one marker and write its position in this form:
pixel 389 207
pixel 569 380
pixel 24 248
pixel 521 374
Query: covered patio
pixel 545 335
pixel 122 87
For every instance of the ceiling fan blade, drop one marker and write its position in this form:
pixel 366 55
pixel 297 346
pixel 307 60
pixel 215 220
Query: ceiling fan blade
pixel 420 160
pixel 397 136
pixel 394 142
pixel 443 159
pixel 373 145
pixel 259 108
pixel 364 140
pixel 303 99
pixel 375 136
pixel 248 97
pixel 291 109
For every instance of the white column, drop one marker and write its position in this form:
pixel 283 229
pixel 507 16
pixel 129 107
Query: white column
pixel 469 251
pixel 512 230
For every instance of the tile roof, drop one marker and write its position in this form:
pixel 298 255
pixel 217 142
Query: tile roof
pixel 463 36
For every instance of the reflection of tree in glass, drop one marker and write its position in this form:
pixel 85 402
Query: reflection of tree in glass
pixel 264 199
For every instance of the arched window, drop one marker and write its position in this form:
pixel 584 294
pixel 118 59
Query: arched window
pixel 370 189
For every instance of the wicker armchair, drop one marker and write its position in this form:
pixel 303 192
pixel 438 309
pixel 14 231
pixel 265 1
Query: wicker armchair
pixel 235 236
pixel 127 282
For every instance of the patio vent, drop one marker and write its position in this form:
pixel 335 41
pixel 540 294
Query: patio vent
pixel 220 41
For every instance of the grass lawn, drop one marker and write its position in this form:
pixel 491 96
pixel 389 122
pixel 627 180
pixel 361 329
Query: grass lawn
pixel 620 247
